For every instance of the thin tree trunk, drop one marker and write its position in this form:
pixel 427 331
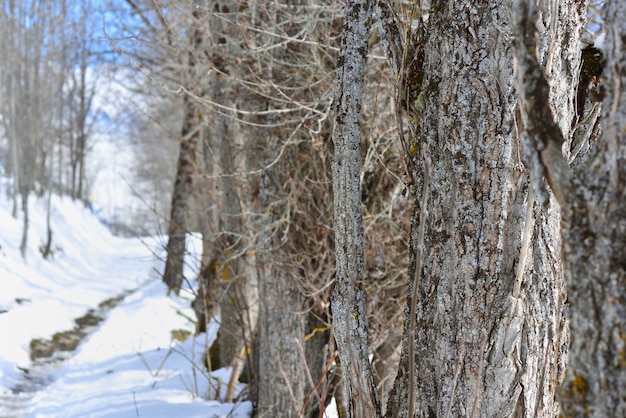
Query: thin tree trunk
pixel 82 127
pixel 239 301
pixel 183 188
pixel 234 247
pixel 15 153
pixel 47 247
pixel 25 224
pixel 186 168
pixel 12 125
pixel 229 283
pixel 348 299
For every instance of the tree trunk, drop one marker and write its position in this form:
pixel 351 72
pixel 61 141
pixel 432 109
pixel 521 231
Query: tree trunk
pixel 281 360
pixel 593 219
pixel 183 189
pixel 228 280
pixel 348 299
pixel 594 236
pixel 15 147
pixel 282 384
pixel 46 249
pixel 239 304
pixel 489 338
pixel 23 245
pixel 291 340
pixel 186 168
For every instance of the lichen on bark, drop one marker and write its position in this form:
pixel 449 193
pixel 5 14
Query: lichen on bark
pixel 348 298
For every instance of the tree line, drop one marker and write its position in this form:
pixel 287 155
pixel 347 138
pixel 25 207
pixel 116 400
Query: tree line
pixel 46 113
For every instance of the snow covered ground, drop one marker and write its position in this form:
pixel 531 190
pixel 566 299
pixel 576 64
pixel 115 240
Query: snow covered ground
pixel 130 364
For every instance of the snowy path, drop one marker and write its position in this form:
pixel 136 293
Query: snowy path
pixel 130 365
pixel 17 402
pixel 48 357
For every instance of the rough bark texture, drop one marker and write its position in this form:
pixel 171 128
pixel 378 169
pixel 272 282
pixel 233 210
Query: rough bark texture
pixel 560 27
pixel 595 251
pixel 290 340
pixel 348 298
pixel 291 331
pixel 252 163
pixel 593 227
pixel 214 136
pixel 490 304
pixel 282 357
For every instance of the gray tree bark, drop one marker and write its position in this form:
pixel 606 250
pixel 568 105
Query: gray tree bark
pixel 282 384
pixel 239 299
pixel 249 165
pixel 593 225
pixel 491 336
pixel 289 344
pixel 228 290
pixel 595 251
pixel 348 298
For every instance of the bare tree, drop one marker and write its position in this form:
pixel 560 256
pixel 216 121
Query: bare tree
pixel 485 319
pixel 48 98
pixel 81 95
pixel 262 95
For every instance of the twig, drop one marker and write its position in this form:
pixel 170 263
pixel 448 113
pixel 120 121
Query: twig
pixel 321 382
pixel 481 365
pixel 158 370
pixel 308 371
pixel 526 239
pixel 135 402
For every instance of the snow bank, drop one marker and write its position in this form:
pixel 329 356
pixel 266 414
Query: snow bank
pixel 131 365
